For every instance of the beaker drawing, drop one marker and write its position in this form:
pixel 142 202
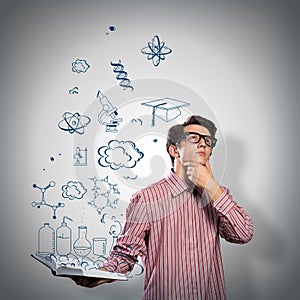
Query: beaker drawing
pixel 99 245
pixel 46 240
pixel 82 246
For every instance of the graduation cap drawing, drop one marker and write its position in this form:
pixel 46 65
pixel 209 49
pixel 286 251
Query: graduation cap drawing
pixel 167 109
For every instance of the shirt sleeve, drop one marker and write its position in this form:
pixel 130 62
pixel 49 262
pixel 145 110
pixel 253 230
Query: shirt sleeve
pixel 235 225
pixel 131 242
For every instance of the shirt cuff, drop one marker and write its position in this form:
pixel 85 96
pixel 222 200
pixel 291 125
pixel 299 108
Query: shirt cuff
pixel 109 267
pixel 224 203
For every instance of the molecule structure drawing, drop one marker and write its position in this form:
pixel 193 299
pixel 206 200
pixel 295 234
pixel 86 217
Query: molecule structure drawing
pixel 122 76
pixel 156 51
pixel 43 201
pixel 104 194
pixel 80 66
pixel 74 123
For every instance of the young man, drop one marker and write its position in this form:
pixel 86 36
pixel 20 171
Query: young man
pixel 175 224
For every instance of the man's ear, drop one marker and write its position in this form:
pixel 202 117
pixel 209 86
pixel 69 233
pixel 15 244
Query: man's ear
pixel 173 151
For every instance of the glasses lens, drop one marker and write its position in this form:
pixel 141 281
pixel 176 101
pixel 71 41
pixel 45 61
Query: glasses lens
pixel 212 141
pixel 208 141
pixel 193 137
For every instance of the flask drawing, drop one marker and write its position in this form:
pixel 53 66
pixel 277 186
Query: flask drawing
pixel 64 238
pixel 82 246
pixel 46 240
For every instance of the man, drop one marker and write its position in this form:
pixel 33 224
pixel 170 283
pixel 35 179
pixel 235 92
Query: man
pixel 175 224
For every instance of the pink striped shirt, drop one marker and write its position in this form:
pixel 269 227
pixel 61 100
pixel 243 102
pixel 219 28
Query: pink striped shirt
pixel 175 229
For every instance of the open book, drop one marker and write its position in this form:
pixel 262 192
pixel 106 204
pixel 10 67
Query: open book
pixel 72 269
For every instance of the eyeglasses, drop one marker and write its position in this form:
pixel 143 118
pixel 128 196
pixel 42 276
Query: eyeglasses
pixel 195 138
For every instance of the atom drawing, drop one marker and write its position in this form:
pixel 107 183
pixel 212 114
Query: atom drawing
pixel 74 122
pixel 156 51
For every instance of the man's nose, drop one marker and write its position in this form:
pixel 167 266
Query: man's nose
pixel 201 142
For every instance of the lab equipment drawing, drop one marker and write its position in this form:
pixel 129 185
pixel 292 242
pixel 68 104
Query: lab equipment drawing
pixel 46 240
pixel 156 51
pixel 104 194
pixel 80 157
pixel 108 114
pixel 122 76
pixel 80 66
pixel 73 190
pixel 99 246
pixel 74 122
pixel 119 154
pixel 115 227
pixel 64 238
pixel 43 200
pixel 82 246
pixel 166 109
pixel 115 230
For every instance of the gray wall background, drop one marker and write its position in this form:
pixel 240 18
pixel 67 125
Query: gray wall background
pixel 241 57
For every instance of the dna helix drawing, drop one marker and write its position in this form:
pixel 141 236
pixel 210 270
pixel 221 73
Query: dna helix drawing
pixel 125 83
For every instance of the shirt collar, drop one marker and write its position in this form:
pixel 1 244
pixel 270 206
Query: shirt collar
pixel 176 184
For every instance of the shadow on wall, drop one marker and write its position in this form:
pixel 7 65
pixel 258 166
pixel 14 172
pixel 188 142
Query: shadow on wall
pixel 267 244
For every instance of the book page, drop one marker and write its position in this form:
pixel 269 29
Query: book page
pixel 72 266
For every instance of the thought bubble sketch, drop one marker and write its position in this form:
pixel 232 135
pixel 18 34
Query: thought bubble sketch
pixel 80 66
pixel 119 154
pixel 73 190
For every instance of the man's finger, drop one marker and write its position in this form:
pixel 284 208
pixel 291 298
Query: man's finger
pixel 92 284
pixel 208 165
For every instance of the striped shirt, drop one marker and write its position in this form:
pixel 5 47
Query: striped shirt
pixel 175 229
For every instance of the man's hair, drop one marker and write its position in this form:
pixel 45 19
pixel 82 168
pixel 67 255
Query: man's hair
pixel 176 132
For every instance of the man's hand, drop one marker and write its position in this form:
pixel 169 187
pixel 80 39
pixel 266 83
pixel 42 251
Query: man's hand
pixel 202 177
pixel 90 282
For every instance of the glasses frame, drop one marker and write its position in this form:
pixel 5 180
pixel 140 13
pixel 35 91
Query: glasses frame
pixel 201 136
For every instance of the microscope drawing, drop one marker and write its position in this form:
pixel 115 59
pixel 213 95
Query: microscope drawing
pixel 108 114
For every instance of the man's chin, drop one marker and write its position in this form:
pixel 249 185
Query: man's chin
pixel 202 161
